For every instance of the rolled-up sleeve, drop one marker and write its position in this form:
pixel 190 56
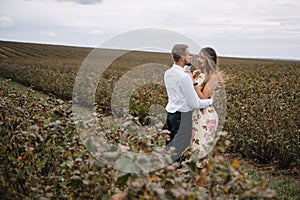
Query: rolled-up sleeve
pixel 191 96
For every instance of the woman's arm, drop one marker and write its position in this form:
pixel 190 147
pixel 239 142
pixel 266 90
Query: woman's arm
pixel 199 93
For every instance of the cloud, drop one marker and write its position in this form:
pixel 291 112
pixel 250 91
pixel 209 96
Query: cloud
pixel 50 33
pixel 96 32
pixel 6 22
pixel 85 2
pixel 272 25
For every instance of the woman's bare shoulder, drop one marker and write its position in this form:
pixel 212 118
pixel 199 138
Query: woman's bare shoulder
pixel 214 77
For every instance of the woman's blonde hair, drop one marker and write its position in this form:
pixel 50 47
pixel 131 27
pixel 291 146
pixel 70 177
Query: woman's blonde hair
pixel 211 66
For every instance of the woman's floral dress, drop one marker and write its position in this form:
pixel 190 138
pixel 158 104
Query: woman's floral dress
pixel 205 123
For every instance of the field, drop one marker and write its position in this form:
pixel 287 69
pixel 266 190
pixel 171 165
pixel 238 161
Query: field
pixel 42 155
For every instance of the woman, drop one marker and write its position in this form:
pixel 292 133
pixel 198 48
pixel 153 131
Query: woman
pixel 205 121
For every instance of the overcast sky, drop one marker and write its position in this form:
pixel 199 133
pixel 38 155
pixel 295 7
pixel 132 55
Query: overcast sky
pixel 256 28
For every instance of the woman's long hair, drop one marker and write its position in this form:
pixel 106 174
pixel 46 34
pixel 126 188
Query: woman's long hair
pixel 211 64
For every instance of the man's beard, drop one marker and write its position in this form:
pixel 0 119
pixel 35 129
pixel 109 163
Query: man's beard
pixel 187 63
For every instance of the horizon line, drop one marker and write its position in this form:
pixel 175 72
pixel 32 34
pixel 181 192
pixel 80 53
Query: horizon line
pixel 154 51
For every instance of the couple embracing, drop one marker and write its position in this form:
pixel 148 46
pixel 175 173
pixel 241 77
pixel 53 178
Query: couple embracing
pixel 191 119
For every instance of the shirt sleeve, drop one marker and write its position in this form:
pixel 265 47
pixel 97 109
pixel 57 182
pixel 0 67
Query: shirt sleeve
pixel 191 96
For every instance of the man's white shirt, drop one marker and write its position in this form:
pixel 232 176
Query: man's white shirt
pixel 181 93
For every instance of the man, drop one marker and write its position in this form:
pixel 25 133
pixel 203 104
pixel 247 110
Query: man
pixel 182 99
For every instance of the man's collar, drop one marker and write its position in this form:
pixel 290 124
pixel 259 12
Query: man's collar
pixel 178 67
